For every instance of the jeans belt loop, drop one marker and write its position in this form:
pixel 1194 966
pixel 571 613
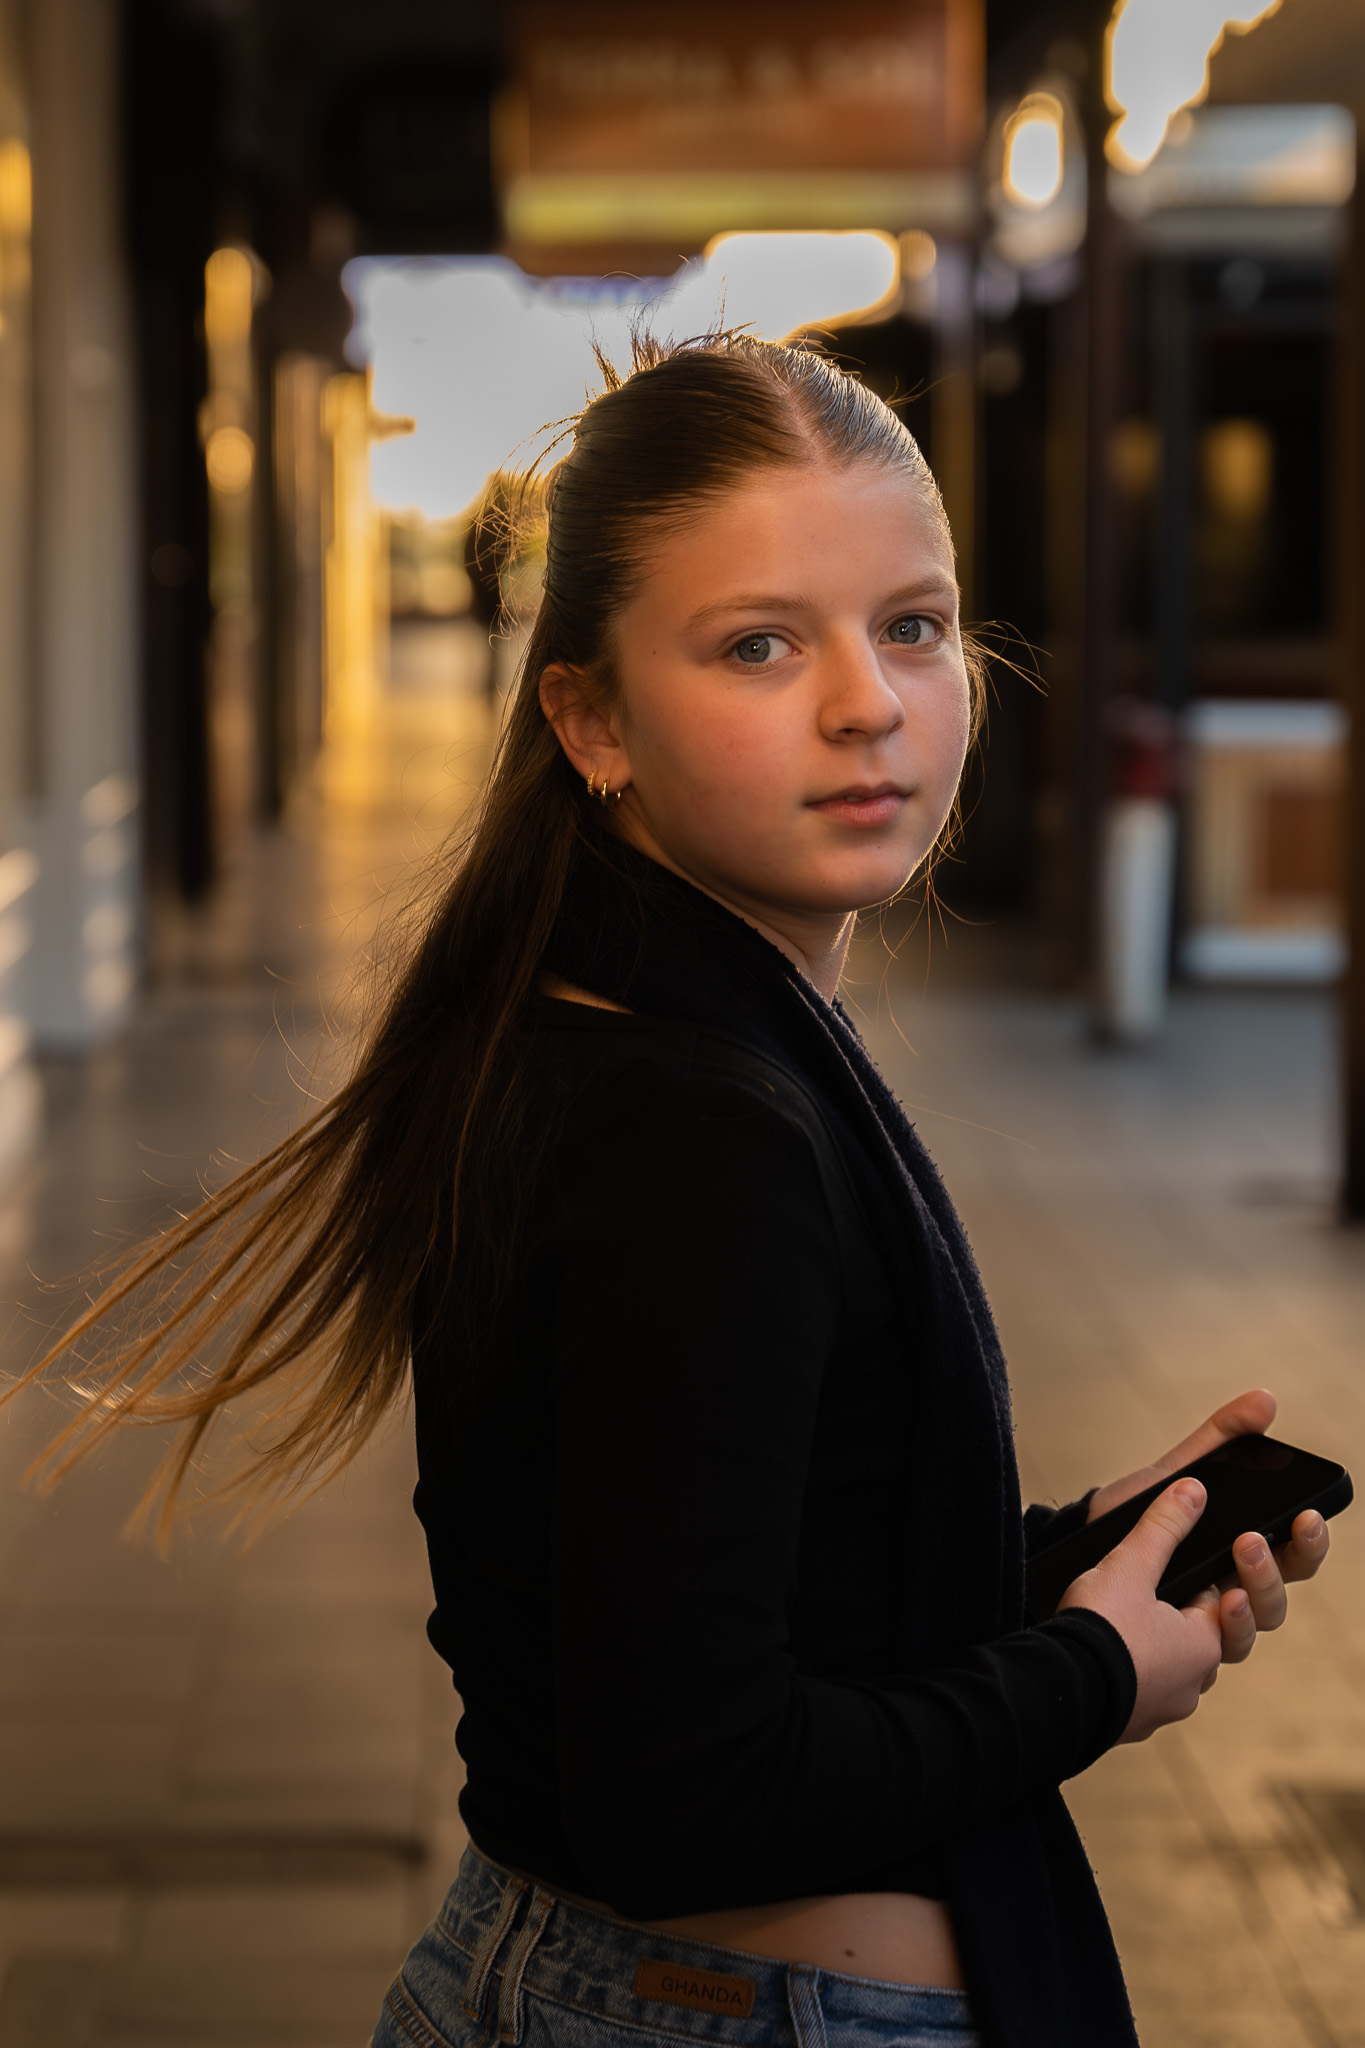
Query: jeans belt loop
pixel 481 1966
pixel 510 2004
pixel 803 1996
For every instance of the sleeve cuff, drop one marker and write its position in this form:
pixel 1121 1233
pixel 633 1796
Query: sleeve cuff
pixel 1045 1526
pixel 1097 1646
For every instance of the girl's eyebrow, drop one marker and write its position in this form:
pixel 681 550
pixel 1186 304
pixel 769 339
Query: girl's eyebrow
pixel 760 601
pixel 940 587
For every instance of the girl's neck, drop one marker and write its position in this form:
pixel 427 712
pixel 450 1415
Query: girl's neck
pixel 820 954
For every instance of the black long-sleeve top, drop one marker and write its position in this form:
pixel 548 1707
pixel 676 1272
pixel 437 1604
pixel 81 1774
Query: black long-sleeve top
pixel 668 1533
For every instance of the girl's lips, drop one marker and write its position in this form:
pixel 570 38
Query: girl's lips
pixel 877 807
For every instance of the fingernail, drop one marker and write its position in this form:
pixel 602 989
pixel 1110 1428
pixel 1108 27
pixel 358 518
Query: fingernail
pixel 1191 1492
pixel 1316 1528
pixel 1256 1555
pixel 1239 1606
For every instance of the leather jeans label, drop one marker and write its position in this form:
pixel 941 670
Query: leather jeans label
pixel 703 1990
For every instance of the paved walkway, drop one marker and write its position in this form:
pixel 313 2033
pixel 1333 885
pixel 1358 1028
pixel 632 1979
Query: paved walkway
pixel 227 1803
pixel 228 1795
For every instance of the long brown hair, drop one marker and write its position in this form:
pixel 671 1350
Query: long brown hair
pixel 291 1288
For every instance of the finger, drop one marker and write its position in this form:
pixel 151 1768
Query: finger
pixel 1249 1414
pixel 1238 1623
pixel 1261 1581
pixel 1205 1611
pixel 1149 1546
pixel 1308 1545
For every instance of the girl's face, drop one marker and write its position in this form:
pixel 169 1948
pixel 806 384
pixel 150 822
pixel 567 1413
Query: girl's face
pixel 794 707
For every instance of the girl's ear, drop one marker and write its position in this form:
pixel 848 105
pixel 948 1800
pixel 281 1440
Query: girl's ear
pixel 588 733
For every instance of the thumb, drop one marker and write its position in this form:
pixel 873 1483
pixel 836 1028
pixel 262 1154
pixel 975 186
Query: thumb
pixel 1150 1546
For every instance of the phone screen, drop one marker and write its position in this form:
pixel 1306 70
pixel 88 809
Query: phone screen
pixel 1253 1482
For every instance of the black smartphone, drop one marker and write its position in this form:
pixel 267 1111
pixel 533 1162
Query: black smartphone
pixel 1253 1482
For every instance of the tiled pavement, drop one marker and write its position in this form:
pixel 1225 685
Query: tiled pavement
pixel 227 1787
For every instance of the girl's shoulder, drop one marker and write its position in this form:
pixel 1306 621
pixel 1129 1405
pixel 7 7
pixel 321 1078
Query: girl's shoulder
pixel 580 1046
pixel 674 1090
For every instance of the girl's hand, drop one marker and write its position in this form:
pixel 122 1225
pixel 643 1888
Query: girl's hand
pixel 1176 1652
pixel 1250 1414
pixel 1261 1575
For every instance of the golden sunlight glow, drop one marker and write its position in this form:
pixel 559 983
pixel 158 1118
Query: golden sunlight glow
pixel 1032 174
pixel 227 296
pixel 16 187
pixel 352 555
pixel 1237 461
pixel 1135 459
pixel 233 278
pixel 1157 56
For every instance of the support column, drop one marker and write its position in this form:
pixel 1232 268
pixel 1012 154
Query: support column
pixel 1103 342
pixel 1351 627
pixel 1172 358
pixel 82 808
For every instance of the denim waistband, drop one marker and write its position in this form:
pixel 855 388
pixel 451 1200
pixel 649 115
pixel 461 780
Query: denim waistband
pixel 514 1936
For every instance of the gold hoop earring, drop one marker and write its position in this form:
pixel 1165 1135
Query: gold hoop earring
pixel 601 794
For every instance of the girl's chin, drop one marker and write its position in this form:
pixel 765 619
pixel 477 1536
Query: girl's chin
pixel 856 883
pixel 841 894
pixel 811 884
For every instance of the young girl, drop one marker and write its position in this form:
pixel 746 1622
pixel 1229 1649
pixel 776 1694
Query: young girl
pixel 713 1427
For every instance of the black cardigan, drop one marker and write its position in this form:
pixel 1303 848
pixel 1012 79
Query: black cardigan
pixel 726 1542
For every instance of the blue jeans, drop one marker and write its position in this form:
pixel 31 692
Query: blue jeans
pixel 507 1960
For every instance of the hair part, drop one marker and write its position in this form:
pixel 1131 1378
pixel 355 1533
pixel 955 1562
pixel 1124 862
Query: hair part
pixel 292 1288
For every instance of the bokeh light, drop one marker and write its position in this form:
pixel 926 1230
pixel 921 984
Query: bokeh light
pixel 1032 172
pixel 229 458
pixel 228 291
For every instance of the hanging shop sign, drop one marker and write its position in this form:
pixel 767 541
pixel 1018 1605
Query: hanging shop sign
pixel 663 126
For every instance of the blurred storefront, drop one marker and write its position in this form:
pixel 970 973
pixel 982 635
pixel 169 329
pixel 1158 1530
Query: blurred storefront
pixel 1317 54
pixel 1228 246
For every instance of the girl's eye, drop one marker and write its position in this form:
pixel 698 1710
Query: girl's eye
pixel 756 650
pixel 918 630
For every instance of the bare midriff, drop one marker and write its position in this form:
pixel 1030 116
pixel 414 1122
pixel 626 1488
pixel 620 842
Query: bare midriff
pixel 897 1937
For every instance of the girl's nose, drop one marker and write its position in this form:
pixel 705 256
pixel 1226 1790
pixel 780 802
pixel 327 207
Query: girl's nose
pixel 857 699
